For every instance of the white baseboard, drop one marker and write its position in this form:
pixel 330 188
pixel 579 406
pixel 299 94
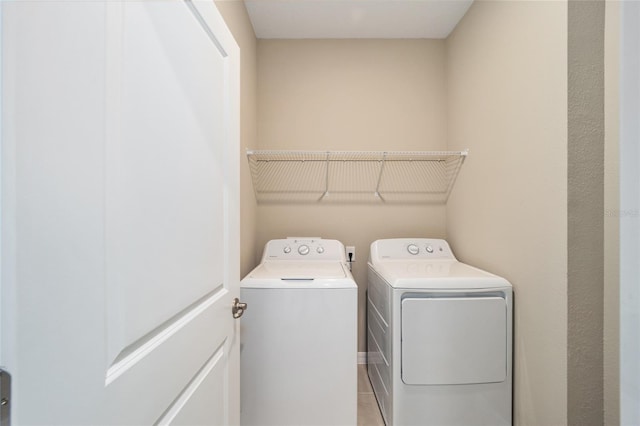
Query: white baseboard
pixel 362 357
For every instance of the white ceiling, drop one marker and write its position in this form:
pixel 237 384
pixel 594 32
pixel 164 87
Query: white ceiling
pixel 355 18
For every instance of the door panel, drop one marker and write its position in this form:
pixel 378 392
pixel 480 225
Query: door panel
pixel 164 172
pixel 119 212
pixel 454 340
pixel 202 402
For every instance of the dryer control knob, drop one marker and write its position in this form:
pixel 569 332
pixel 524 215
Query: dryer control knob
pixel 320 249
pixel 287 249
pixel 413 249
pixel 303 250
pixel 429 249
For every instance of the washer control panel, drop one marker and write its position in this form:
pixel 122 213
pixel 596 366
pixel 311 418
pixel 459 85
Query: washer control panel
pixel 411 249
pixel 304 249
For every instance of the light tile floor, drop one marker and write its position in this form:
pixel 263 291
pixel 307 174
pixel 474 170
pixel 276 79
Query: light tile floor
pixel 368 411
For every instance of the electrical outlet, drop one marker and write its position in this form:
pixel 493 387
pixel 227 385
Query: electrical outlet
pixel 352 250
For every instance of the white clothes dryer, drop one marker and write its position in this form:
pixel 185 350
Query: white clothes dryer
pixel 298 351
pixel 439 336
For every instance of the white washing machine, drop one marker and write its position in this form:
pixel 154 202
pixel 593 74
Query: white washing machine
pixel 298 352
pixel 439 337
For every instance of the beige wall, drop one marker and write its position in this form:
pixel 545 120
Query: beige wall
pixel 507 102
pixel 237 19
pixel 351 95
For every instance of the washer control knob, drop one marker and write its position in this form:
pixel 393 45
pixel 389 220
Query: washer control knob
pixel 320 249
pixel 286 249
pixel 429 249
pixel 413 249
pixel 303 249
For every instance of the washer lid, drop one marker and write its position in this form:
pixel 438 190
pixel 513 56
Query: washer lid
pixel 296 274
pixel 292 270
pixel 436 274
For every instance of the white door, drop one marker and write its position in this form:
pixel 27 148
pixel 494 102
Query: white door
pixel 119 212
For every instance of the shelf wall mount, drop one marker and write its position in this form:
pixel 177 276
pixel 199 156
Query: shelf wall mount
pixel 410 177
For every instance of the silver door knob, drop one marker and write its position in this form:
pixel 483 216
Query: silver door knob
pixel 237 309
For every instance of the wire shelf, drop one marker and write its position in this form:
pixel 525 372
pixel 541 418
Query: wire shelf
pixel 354 176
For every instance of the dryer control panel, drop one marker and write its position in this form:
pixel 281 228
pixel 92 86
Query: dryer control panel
pixel 304 249
pixel 410 249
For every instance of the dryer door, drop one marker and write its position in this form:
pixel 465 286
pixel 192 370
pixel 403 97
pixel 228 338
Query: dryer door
pixel 454 340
